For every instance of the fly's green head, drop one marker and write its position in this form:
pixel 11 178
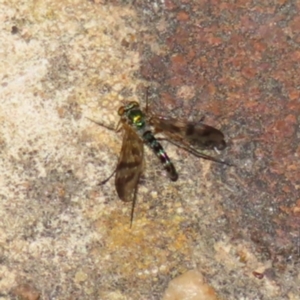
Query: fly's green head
pixel 132 113
pixel 127 108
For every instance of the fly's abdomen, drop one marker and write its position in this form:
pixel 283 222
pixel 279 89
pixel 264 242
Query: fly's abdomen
pixel 159 151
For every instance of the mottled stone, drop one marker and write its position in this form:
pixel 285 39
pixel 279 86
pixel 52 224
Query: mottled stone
pixel 230 64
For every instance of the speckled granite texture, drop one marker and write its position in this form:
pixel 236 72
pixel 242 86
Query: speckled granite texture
pixel 62 236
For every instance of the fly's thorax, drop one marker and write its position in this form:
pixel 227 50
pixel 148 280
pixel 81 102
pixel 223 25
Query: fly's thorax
pixel 132 115
pixel 136 118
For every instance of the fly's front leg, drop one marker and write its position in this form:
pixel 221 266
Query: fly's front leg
pixel 117 129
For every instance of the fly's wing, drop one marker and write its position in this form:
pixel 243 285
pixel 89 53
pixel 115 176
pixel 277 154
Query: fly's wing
pixel 130 164
pixel 189 135
pixel 195 134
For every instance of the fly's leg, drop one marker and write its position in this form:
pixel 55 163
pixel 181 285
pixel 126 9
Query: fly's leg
pixel 186 147
pixel 117 129
pixel 108 178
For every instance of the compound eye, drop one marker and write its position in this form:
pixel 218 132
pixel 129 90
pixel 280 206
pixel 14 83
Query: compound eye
pixel 121 111
pixel 134 104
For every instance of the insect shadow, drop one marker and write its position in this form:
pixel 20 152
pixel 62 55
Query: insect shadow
pixel 139 128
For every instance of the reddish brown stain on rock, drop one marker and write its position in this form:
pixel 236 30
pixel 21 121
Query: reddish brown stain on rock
pixel 183 16
pixel 242 61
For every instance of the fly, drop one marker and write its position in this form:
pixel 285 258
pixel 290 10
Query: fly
pixel 190 136
pixel 130 163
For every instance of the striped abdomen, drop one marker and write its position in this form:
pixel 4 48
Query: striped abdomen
pixel 159 151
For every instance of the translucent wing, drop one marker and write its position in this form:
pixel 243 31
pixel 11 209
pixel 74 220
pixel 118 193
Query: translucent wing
pixel 129 167
pixel 190 136
pixel 196 134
